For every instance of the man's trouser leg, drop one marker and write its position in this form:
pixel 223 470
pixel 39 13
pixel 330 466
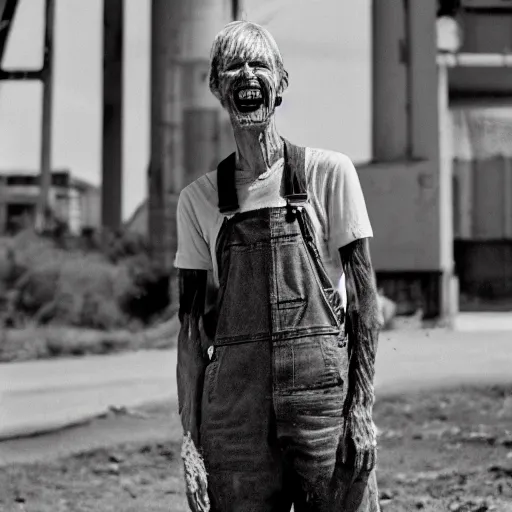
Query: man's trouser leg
pixel 238 432
pixel 309 412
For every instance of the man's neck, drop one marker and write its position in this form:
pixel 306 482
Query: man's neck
pixel 258 150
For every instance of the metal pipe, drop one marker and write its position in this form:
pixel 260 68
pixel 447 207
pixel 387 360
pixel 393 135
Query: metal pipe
pixel 46 121
pixel 390 81
pixel 236 9
pixel 112 151
pixel 422 81
pixel 165 166
pixel 475 60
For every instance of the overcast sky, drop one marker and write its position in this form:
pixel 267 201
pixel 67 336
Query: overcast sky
pixel 325 45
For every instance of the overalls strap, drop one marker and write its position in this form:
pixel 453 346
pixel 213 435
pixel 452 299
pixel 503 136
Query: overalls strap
pixel 228 198
pixel 293 186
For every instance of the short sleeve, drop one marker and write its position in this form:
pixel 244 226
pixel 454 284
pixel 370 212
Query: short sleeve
pixel 347 214
pixel 193 251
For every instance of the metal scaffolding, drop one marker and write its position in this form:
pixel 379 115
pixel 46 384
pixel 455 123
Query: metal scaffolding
pixel 45 75
pixel 112 105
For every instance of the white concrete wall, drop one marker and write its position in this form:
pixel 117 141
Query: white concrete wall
pixel 74 211
pixel 403 204
pixel 90 205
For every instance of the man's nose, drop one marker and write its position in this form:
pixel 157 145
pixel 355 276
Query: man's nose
pixel 246 70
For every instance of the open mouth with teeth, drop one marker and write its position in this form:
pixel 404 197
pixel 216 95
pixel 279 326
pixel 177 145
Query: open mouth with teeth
pixel 248 99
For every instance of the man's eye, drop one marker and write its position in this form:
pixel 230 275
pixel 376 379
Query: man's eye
pixel 232 67
pixel 253 64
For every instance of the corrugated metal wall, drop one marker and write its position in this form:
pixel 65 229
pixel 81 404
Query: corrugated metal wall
pixel 483 199
pixel 482 205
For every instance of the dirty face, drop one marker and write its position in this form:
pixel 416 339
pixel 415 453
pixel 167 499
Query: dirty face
pixel 248 89
pixel 247 73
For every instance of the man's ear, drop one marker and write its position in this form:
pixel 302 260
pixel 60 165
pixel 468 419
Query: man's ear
pixel 283 85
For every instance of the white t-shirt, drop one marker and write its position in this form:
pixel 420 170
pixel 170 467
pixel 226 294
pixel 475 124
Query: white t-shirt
pixel 336 207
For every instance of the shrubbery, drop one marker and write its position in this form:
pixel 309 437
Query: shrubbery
pixel 106 283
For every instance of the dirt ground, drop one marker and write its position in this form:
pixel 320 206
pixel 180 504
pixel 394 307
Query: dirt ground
pixel 439 451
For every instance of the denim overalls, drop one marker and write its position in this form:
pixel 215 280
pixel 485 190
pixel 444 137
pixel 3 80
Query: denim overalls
pixel 274 389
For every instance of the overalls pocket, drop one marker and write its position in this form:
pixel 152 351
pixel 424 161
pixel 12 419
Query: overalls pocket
pixel 335 355
pixel 305 365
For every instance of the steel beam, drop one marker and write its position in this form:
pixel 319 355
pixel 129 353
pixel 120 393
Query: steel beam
pixel 22 74
pixel 7 13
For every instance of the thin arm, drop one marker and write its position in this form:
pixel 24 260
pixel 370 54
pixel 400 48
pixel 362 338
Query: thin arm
pixel 192 344
pixel 362 323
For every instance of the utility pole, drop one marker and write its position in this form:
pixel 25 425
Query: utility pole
pixel 45 180
pixel 112 151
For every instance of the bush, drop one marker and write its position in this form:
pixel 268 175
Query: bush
pixel 110 285
pixel 148 295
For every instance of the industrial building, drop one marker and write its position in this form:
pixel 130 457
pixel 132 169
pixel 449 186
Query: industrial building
pixel 438 181
pixel 74 203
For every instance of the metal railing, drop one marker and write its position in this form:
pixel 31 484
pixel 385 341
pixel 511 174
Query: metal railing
pixel 475 60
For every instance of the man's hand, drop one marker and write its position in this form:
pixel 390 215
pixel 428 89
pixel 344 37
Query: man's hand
pixel 359 448
pixel 192 361
pixel 195 476
pixel 356 460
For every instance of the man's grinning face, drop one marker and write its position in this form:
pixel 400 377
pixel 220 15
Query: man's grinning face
pixel 248 88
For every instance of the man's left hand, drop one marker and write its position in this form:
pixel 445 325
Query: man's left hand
pixel 359 447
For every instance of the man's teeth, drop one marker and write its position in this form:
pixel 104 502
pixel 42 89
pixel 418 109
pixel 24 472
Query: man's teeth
pixel 249 94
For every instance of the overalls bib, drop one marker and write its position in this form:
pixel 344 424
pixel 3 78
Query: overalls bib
pixel 274 390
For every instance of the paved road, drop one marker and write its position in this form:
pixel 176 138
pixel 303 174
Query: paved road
pixel 39 396
pixel 419 360
pixel 44 395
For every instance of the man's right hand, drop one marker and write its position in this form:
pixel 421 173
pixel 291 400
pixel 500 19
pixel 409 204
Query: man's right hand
pixel 195 476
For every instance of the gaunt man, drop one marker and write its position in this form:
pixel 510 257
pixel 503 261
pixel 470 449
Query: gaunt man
pixel 275 375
